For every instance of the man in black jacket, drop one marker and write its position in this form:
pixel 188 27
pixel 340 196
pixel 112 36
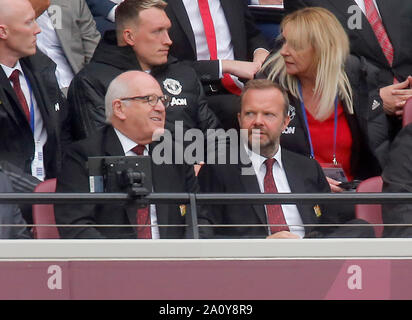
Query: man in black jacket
pixel 135 107
pixel 141 42
pixel 397 177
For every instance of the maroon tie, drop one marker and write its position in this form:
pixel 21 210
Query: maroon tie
pixel 209 27
pixel 375 21
pixel 274 211
pixel 143 214
pixel 14 78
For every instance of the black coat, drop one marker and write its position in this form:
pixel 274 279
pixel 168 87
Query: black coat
pixel 89 86
pixel 397 177
pixel 304 175
pixel 75 178
pixel 17 142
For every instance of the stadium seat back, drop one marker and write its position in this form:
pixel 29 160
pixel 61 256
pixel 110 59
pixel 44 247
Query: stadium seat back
pixel 371 213
pixel 43 214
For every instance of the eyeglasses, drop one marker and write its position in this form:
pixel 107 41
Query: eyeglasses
pixel 152 99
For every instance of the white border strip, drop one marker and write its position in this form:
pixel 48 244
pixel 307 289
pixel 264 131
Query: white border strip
pixel 205 249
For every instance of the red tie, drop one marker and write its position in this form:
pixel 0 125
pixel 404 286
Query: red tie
pixel 274 211
pixel 227 80
pixel 14 78
pixel 375 21
pixel 143 214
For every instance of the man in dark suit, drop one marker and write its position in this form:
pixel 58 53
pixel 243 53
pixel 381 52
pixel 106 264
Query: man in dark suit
pixel 33 110
pixel 269 169
pixel 397 177
pixel 395 16
pixel 241 49
pixel 135 107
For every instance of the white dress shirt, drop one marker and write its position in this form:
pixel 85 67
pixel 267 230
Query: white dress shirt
pixel 290 211
pixel 39 134
pixel 50 44
pixel 223 36
pixel 128 145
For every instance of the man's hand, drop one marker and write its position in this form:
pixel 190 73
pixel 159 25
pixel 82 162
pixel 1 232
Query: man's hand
pixel 283 235
pixel 334 185
pixel 260 56
pixel 241 69
pixel 394 97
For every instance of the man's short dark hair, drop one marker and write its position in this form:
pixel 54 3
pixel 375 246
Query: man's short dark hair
pixel 261 84
pixel 129 10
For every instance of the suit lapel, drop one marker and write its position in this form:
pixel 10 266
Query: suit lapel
pixel 232 15
pixel 183 19
pixel 296 180
pixel 113 147
pixel 251 185
pixel 392 26
pixel 36 87
pixel 161 184
pixel 12 106
pixel 366 32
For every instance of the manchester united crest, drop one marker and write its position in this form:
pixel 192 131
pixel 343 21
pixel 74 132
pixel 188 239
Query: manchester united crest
pixel 172 86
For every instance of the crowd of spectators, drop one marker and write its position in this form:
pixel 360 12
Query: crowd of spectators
pixel 102 77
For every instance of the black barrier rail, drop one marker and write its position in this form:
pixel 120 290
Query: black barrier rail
pixel 209 198
pixel 195 199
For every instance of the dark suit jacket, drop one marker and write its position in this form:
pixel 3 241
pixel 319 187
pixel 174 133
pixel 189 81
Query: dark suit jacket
pixel 396 17
pixel 100 9
pixel 10 214
pixel 17 143
pixel 397 177
pixel 304 176
pixel 75 178
pixel 246 37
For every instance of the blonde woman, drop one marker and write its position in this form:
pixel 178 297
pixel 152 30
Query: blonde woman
pixel 328 95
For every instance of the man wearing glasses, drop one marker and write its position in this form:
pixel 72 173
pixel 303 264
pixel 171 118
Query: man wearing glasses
pixel 135 109
pixel 140 42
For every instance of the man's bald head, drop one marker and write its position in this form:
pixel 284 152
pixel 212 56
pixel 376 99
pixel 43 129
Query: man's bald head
pixel 18 30
pixel 134 106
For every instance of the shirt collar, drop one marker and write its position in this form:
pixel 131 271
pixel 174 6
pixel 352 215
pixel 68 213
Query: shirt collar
pixel 8 71
pixel 126 142
pixel 258 160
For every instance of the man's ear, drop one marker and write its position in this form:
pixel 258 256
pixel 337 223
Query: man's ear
pixel 128 37
pixel 4 31
pixel 286 122
pixel 118 109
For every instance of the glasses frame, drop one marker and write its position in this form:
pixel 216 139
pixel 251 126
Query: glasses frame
pixel 151 99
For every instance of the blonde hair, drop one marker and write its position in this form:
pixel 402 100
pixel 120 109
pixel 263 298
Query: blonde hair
pixel 319 28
